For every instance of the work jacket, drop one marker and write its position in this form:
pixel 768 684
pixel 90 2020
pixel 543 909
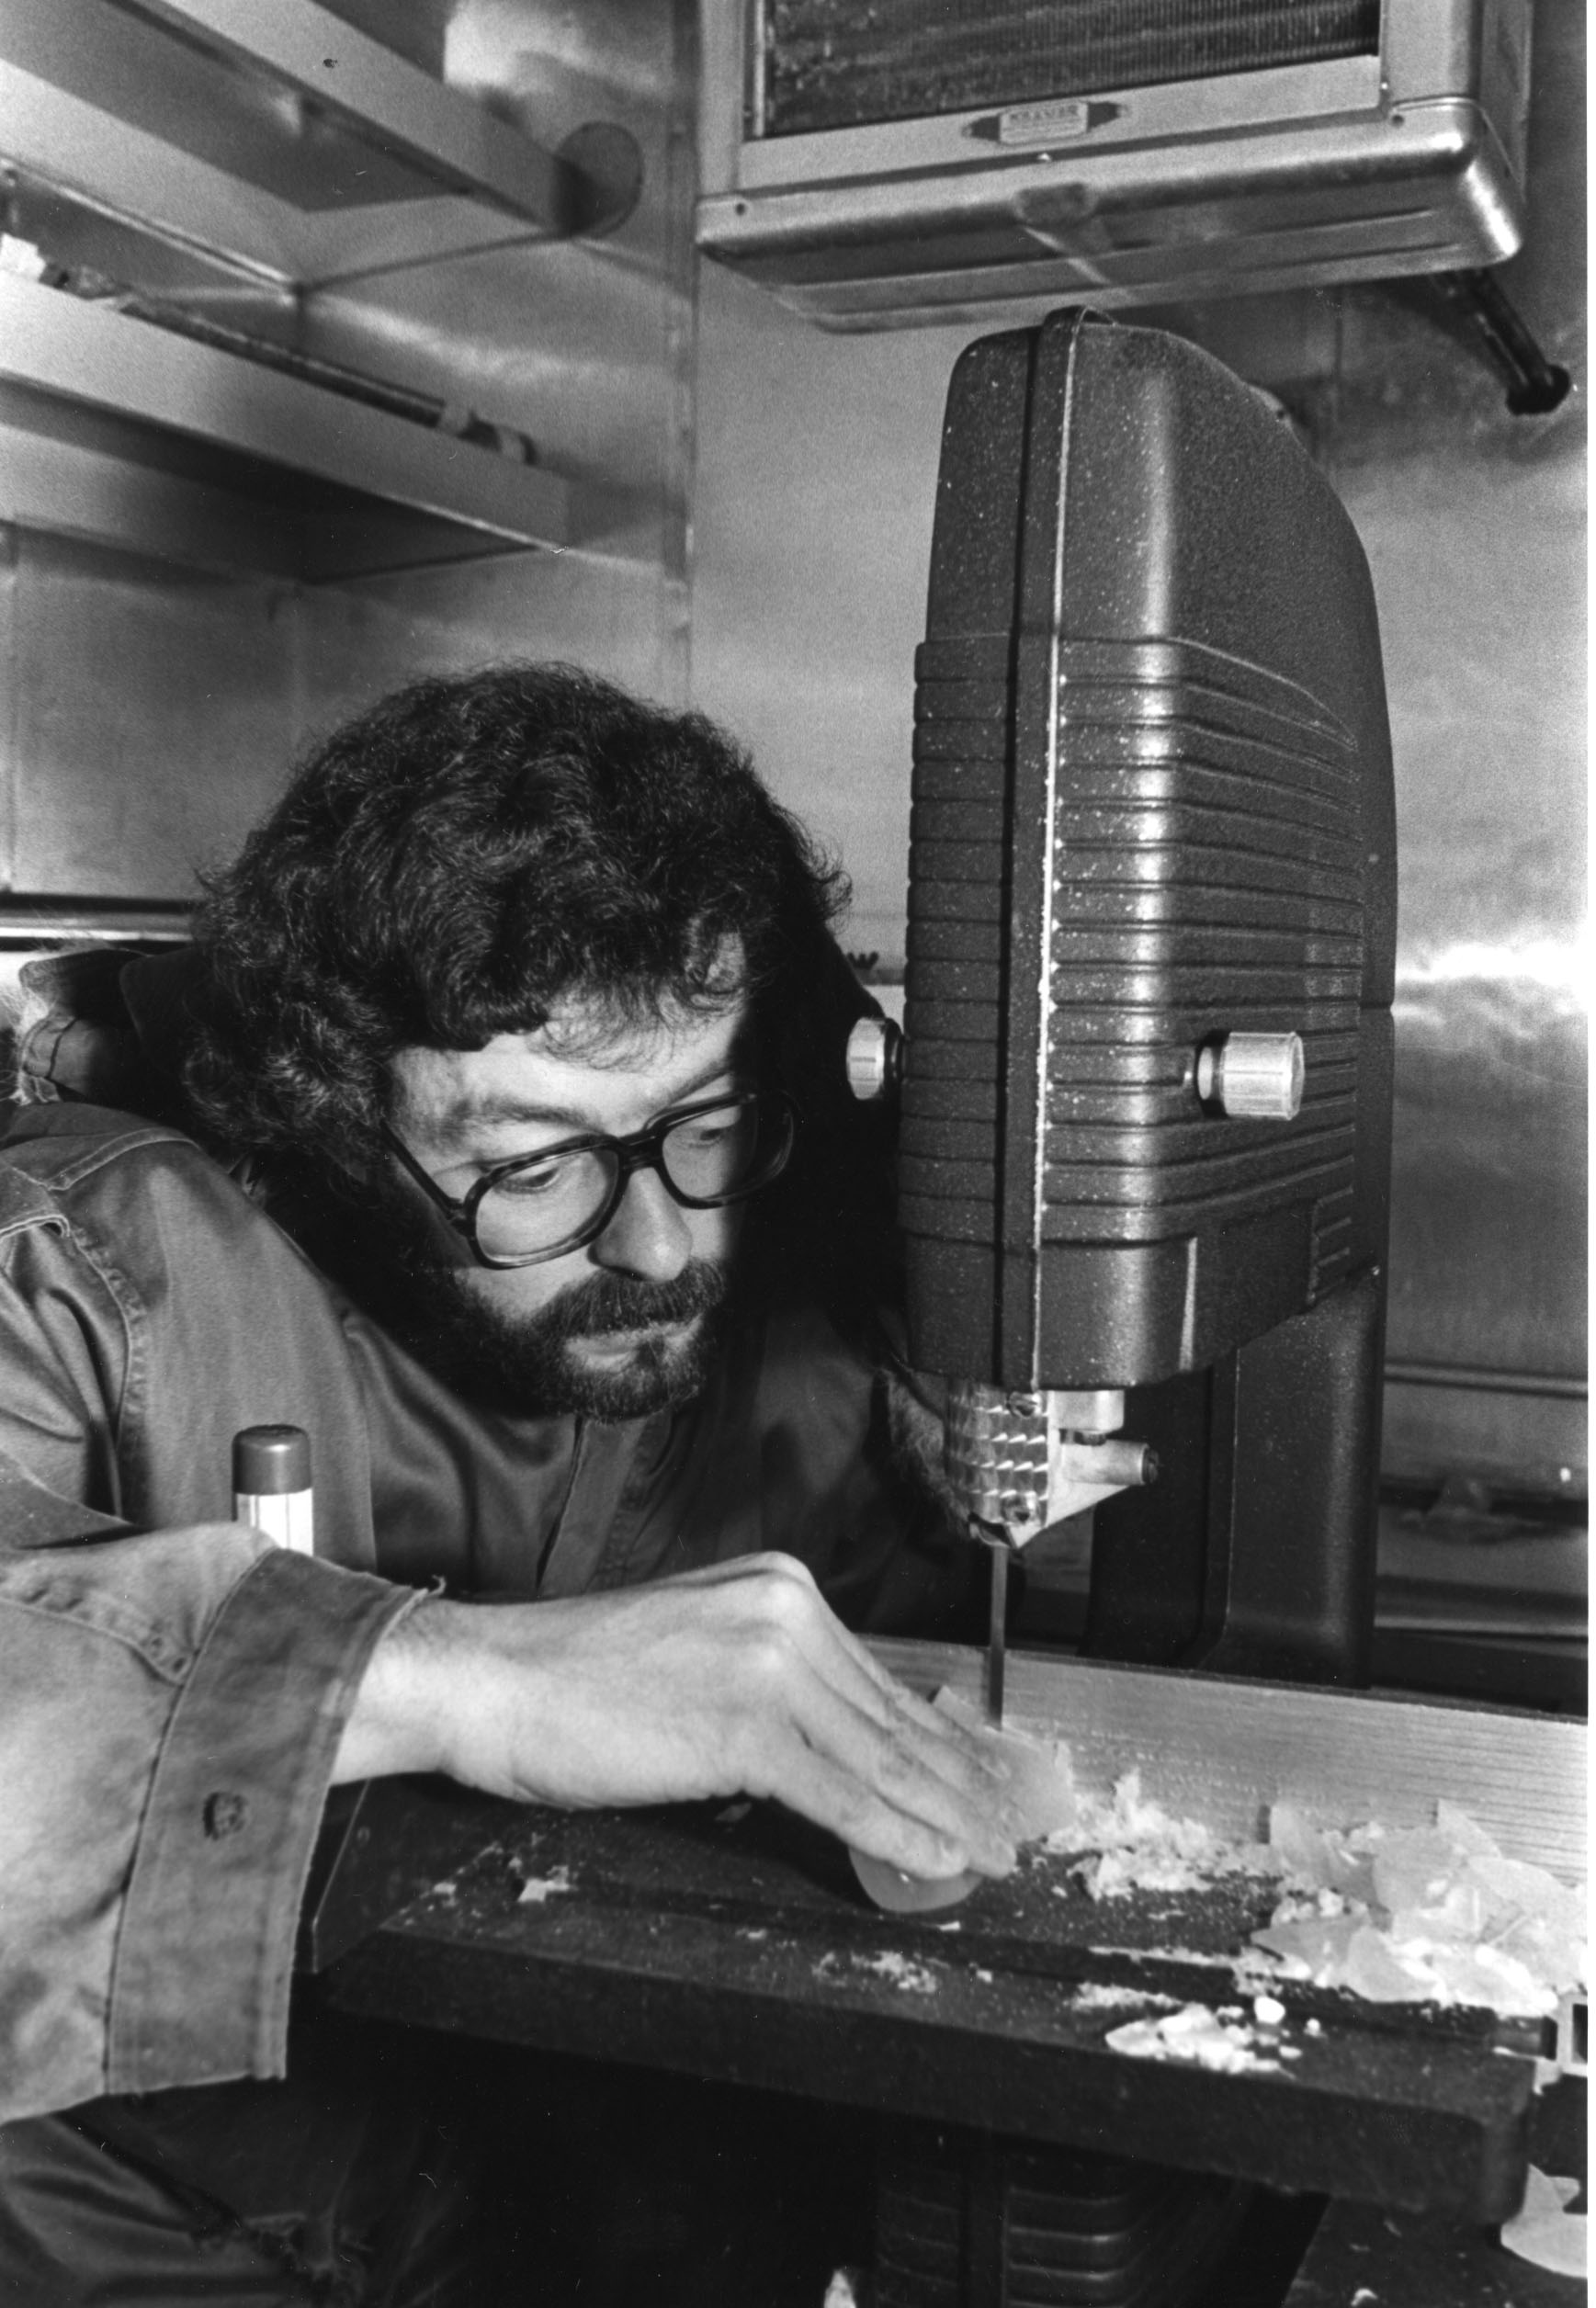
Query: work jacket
pixel 173 1687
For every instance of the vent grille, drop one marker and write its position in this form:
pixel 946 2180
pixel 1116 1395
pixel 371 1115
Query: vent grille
pixel 833 64
pixel 1206 876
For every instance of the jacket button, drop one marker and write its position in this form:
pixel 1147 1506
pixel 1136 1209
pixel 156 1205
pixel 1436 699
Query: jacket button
pixel 224 1815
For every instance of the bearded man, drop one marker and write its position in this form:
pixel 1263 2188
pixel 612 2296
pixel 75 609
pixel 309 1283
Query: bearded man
pixel 493 1131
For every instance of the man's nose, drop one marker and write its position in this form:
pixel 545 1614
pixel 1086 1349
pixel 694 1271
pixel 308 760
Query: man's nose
pixel 648 1235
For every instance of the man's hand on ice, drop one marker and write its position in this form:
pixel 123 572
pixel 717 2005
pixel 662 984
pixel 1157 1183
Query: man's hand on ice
pixel 734 1681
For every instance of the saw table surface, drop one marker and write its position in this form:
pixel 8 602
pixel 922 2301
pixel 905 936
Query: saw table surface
pixel 730 1941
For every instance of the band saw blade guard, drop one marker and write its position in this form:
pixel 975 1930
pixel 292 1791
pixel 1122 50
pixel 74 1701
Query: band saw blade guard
pixel 1146 1087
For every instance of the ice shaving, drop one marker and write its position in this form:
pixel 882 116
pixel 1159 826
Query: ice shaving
pixel 1436 1914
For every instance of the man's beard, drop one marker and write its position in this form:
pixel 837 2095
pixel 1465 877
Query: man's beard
pixel 386 1256
pixel 534 1362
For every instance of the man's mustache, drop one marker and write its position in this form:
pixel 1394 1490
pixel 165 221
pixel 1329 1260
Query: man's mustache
pixel 608 1302
pixel 604 1302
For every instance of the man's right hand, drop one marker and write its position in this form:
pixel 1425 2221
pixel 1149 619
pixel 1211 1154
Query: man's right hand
pixel 734 1681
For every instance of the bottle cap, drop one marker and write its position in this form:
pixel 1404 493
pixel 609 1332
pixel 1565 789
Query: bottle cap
pixel 267 1460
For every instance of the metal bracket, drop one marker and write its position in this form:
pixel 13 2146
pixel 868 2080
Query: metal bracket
pixel 1536 385
pixel 1572 2051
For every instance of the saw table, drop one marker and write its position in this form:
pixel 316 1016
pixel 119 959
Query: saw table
pixel 730 1941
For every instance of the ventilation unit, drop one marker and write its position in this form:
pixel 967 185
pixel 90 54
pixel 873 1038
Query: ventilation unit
pixel 910 159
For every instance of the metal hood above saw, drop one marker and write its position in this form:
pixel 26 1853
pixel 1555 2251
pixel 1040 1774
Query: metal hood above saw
pixel 924 160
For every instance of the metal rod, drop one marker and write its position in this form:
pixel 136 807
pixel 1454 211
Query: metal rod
pixel 998 1549
pixel 1536 385
pixel 313 368
pixel 1487 1382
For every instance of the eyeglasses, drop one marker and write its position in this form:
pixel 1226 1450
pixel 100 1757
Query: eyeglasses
pixel 537 1206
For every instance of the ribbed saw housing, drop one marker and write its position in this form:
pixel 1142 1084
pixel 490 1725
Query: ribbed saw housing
pixel 1203 867
pixel 1122 846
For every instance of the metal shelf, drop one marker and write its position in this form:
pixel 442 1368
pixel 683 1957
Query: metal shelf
pixel 189 111
pixel 118 429
pixel 264 168
pixel 340 84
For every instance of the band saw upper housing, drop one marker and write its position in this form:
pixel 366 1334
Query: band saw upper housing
pixel 1153 806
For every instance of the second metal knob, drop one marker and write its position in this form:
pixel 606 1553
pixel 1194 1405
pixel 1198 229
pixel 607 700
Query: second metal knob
pixel 1257 1075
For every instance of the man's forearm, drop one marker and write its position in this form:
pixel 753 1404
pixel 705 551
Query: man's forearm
pixel 734 1681
pixel 393 1725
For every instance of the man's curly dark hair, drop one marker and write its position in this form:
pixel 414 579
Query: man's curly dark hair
pixel 462 858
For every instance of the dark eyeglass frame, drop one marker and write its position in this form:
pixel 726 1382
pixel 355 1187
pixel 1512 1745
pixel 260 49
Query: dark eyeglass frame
pixel 642 1149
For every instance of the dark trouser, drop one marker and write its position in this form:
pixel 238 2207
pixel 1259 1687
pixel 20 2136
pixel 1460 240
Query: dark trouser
pixel 395 2169
pixel 340 2187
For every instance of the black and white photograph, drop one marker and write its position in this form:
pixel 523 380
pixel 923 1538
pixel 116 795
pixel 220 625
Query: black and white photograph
pixel 793 1154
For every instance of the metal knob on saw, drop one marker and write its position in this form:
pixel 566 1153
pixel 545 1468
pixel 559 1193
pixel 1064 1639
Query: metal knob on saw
pixel 1253 1075
pixel 874 1059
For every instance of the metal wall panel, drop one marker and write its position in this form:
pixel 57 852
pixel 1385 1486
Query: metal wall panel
pixel 1483 672
pixel 147 717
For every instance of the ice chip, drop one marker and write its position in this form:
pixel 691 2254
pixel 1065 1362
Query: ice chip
pixel 1298 1845
pixel 1316 1943
pixel 1375 1969
pixel 1464 1834
pixel 1544 2231
pixel 1414 1870
pixel 1041 1782
pixel 1533 1891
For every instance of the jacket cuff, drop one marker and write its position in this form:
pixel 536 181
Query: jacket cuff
pixel 204 1961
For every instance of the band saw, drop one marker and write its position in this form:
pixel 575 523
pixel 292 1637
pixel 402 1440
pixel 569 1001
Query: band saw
pixel 1146 1090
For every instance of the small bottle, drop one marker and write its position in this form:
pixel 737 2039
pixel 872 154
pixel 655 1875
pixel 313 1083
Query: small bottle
pixel 271 1485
